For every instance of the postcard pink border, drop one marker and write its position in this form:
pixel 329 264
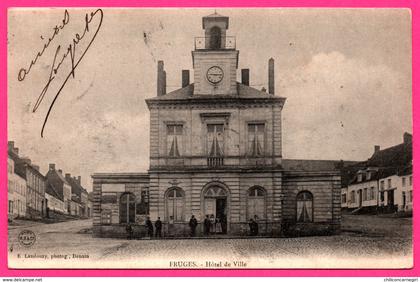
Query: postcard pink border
pixel 5 4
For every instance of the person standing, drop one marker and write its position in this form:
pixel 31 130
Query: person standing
pixel 251 227
pixel 129 230
pixel 149 226
pixel 193 224
pixel 218 226
pixel 207 225
pixel 255 225
pixel 158 227
pixel 212 224
pixel 255 228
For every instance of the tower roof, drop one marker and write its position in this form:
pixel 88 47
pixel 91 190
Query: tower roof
pixel 216 17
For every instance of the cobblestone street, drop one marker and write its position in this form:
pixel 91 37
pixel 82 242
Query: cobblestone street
pixel 366 241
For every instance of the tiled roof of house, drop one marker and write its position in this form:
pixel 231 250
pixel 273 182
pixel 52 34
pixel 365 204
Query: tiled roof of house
pixel 396 156
pixel 395 160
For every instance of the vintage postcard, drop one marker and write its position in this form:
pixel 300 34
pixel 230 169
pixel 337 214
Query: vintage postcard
pixel 209 138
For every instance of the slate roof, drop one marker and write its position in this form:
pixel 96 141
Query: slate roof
pixel 314 165
pixel 244 92
pixel 50 190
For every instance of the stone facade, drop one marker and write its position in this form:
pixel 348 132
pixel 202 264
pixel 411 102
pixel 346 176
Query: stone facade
pixel 216 151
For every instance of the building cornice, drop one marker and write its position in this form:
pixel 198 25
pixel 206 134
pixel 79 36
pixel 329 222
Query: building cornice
pixel 215 103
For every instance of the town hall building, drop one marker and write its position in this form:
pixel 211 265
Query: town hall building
pixel 216 152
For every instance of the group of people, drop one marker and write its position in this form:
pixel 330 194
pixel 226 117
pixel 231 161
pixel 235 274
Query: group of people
pixel 211 225
pixel 214 225
pixel 149 226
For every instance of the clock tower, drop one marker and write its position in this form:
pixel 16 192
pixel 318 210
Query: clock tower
pixel 215 58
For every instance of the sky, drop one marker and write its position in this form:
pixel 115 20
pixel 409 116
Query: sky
pixel 346 74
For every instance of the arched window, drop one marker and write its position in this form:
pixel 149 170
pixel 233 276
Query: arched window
pixel 256 202
pixel 304 207
pixel 215 38
pixel 175 204
pixel 127 208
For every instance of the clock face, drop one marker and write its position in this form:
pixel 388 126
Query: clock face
pixel 214 74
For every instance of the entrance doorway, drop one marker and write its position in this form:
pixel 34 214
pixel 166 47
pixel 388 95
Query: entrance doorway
pixel 216 208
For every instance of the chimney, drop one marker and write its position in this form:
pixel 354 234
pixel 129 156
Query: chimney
pixel 68 175
pixel 10 145
pixel 377 148
pixel 60 171
pixel 185 78
pixel 271 76
pixel 79 180
pixel 408 138
pixel 245 76
pixel 52 166
pixel 161 77
pixel 36 167
pixel 164 82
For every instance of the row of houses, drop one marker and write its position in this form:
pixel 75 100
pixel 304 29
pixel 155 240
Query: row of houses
pixel 33 195
pixel 383 183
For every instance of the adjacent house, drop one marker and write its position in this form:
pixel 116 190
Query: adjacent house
pixel 35 184
pixel 383 182
pixel 59 184
pixel 16 191
pixel 55 200
pixel 79 196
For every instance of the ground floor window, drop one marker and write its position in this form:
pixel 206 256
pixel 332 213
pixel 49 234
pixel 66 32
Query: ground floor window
pixel 256 203
pixel 343 198
pixel 10 206
pixel 372 193
pixel 175 204
pixel 304 206
pixel 127 208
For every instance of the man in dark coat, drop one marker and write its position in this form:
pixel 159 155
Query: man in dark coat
pixel 158 227
pixel 193 224
pixel 129 230
pixel 207 224
pixel 251 227
pixel 149 226
pixel 255 223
